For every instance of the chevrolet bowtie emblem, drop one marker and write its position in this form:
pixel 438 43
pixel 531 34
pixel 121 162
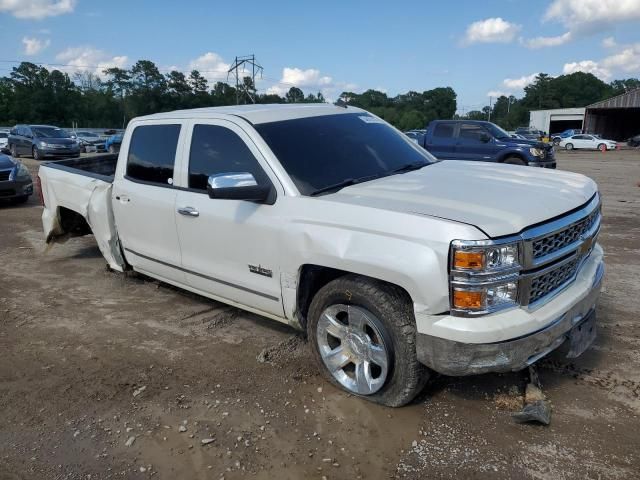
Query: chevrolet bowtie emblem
pixel 587 243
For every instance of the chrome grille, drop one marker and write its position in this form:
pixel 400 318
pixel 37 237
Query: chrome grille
pixel 556 241
pixel 551 281
pixel 4 175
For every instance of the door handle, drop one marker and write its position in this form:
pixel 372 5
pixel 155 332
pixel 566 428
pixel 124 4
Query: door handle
pixel 122 198
pixel 188 211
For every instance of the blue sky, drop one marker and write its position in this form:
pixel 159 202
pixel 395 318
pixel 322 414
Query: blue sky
pixel 493 46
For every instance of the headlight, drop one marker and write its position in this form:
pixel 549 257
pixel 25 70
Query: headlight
pixel 483 276
pixel 482 299
pixel 467 256
pixel 42 144
pixel 536 152
pixel 22 173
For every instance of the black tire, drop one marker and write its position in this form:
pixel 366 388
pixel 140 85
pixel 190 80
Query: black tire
pixel 568 146
pixel 406 376
pixel 556 142
pixel 36 154
pixel 515 161
pixel 14 152
pixel 602 147
pixel 21 199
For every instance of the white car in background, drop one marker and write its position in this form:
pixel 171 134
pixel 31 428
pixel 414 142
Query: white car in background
pixel 4 138
pixel 590 142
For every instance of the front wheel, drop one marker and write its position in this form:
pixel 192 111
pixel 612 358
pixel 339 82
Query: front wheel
pixel 36 154
pixel 363 337
pixel 556 142
pixel 515 161
pixel 14 152
pixel 569 146
pixel 112 149
pixel 602 147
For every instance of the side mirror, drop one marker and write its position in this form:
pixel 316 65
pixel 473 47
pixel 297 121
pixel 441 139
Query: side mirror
pixel 238 186
pixel 484 138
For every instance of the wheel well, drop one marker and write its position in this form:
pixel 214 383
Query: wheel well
pixel 513 155
pixel 314 277
pixel 72 223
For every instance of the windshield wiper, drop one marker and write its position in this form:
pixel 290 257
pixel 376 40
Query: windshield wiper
pixel 410 167
pixel 346 183
pixel 335 186
pixel 353 181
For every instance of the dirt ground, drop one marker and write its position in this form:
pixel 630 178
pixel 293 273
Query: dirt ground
pixel 104 375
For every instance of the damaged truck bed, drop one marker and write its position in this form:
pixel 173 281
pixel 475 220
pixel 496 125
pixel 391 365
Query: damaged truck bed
pixel 81 187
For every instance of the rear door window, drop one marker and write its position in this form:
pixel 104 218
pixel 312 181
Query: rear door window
pixel 216 149
pixel 444 130
pixel 471 133
pixel 152 153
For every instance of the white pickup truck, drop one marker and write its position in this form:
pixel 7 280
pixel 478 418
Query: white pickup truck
pixel 329 219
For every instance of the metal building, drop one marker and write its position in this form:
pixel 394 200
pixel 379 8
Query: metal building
pixel 556 120
pixel 617 118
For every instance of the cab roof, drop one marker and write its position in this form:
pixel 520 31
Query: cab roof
pixel 257 113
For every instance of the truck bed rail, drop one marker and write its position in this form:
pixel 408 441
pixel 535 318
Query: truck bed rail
pixel 102 167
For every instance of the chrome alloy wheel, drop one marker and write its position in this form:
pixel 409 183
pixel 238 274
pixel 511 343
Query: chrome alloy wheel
pixel 352 348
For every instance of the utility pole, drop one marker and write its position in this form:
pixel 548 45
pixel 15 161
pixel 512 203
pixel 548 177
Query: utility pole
pixel 239 66
pixel 509 102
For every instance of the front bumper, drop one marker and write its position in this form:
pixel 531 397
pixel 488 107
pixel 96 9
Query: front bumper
pixel 551 164
pixel 59 152
pixel 456 358
pixel 16 188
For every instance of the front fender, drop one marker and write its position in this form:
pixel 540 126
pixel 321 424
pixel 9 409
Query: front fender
pixel 418 265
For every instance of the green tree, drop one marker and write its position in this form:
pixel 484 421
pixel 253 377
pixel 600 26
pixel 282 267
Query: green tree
pixel 294 95
pixel 148 88
pixel 621 86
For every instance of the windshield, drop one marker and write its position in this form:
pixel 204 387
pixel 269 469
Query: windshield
pixel 318 152
pixel 496 131
pixel 87 135
pixel 49 132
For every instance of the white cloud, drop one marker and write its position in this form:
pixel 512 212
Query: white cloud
pixel 519 83
pixel 491 30
pixel 592 15
pixel 37 9
pixel 89 59
pixel 587 66
pixel 211 66
pixel 541 42
pixel 497 93
pixel 309 79
pixel 627 60
pixel 585 17
pixel 33 46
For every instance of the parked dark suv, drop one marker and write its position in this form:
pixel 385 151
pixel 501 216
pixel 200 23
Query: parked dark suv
pixel 42 141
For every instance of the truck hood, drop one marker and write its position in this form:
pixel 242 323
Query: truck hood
pixel 498 199
pixel 523 142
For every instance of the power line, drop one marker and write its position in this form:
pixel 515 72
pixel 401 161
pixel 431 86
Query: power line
pixel 255 69
pixel 221 75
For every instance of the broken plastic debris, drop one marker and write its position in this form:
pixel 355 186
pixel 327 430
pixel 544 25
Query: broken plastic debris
pixel 536 408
